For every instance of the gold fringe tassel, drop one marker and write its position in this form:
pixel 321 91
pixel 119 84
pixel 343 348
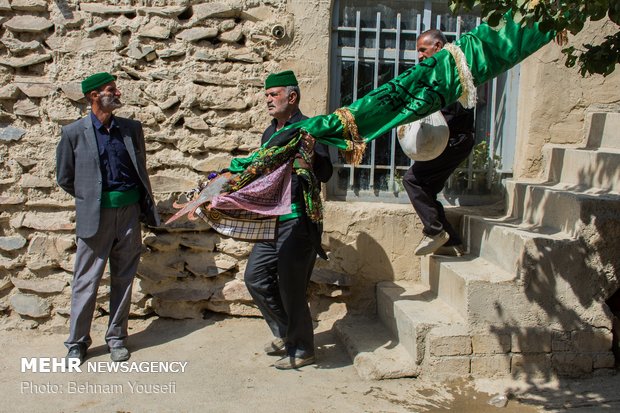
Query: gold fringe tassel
pixel 355 145
pixel 469 95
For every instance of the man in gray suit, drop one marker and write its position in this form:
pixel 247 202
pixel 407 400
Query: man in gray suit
pixel 101 162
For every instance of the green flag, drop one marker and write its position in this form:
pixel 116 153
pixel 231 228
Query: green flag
pixel 420 90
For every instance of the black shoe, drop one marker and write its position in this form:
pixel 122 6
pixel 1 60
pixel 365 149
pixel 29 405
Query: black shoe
pixel 77 351
pixel 119 353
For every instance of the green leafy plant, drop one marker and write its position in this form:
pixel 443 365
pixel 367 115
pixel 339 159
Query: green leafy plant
pixel 560 16
pixel 481 159
pixel 398 183
pixel 481 163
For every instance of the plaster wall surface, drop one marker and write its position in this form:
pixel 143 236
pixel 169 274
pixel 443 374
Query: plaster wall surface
pixel 554 100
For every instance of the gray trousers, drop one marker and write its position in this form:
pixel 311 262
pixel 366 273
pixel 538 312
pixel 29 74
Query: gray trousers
pixel 118 239
pixel 277 276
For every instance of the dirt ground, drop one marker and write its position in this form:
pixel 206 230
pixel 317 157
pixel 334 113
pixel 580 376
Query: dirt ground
pixel 224 370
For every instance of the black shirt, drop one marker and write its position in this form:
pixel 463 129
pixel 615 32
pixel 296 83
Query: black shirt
pixel 117 170
pixel 460 121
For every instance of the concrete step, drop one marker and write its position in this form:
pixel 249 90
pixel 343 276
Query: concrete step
pixel 410 311
pixel 375 353
pixel 583 168
pixel 561 207
pixel 515 195
pixel 464 283
pixel 487 297
pixel 603 130
pixel 507 244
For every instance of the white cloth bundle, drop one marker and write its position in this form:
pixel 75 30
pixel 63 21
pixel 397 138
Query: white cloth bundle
pixel 424 139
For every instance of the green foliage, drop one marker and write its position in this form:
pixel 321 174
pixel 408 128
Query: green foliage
pixel 558 16
pixel 481 159
pixel 398 183
pixel 480 162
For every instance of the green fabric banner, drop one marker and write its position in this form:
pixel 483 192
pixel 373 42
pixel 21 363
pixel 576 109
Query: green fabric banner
pixel 422 89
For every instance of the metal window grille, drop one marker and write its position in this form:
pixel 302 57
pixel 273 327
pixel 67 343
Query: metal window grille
pixel 373 43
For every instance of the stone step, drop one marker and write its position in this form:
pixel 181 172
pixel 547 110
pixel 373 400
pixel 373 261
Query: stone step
pixel 410 311
pixel 584 168
pixel 560 206
pixel 508 245
pixel 375 353
pixel 468 284
pixel 603 130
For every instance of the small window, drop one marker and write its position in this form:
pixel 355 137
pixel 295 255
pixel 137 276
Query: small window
pixel 375 42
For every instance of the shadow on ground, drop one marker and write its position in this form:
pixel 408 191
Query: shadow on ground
pixel 160 331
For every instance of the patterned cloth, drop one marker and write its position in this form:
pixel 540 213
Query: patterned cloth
pixel 267 195
pixel 262 162
pixel 241 225
pixel 268 159
pixel 249 213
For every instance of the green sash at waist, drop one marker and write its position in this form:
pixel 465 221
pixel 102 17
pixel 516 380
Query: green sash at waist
pixel 296 211
pixel 118 199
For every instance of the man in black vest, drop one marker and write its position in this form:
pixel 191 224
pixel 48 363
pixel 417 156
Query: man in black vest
pixel 425 179
pixel 278 272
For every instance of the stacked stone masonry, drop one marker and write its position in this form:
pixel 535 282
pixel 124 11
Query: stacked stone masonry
pixel 528 354
pixel 192 73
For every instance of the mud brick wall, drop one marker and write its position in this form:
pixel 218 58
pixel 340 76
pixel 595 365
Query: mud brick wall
pixel 192 73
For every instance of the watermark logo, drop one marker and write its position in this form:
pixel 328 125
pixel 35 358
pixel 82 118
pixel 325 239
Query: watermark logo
pixel 74 387
pixel 71 365
pixel 50 365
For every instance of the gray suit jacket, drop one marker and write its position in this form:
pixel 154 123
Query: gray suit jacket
pixel 78 171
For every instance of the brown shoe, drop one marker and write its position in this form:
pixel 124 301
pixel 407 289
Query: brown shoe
pixel 275 347
pixel 289 363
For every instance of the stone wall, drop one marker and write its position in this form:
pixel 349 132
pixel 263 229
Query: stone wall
pixel 192 73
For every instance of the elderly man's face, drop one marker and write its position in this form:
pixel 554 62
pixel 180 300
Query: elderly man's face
pixel 109 97
pixel 427 47
pixel 279 101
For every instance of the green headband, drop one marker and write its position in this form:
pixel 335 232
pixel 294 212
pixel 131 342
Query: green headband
pixel 95 81
pixel 286 78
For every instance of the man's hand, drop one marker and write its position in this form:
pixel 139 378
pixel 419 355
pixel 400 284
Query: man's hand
pixel 307 142
pixel 301 163
pixel 307 146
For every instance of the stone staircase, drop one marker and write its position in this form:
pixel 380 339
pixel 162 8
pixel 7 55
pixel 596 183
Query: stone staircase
pixel 529 298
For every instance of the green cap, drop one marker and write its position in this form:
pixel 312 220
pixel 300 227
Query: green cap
pixel 95 81
pixel 286 78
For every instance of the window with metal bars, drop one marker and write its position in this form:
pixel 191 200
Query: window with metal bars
pixel 373 42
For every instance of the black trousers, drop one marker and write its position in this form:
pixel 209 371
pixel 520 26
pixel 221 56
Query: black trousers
pixel 425 179
pixel 277 276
